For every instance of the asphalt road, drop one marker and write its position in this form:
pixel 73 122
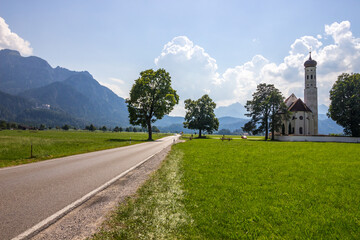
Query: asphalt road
pixel 31 193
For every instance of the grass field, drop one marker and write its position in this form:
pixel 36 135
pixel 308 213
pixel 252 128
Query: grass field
pixel 241 189
pixel 15 146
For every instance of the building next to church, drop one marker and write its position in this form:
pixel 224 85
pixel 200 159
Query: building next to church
pixel 304 114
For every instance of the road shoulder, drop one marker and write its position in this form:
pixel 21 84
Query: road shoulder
pixel 84 220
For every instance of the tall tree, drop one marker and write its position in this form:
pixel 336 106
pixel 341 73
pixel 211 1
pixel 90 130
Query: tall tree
pixel 266 110
pixel 345 103
pixel 200 115
pixel 151 97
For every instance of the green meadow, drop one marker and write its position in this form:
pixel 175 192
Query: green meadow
pixel 246 189
pixel 15 146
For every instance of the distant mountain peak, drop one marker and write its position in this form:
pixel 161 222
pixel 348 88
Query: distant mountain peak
pixel 10 52
pixel 236 110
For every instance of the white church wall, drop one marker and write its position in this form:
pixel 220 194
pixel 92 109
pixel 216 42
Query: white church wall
pixel 318 139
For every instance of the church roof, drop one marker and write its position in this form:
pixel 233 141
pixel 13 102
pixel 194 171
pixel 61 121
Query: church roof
pixel 298 106
pixel 292 98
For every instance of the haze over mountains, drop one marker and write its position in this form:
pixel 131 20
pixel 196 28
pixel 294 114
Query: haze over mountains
pixel 29 85
pixel 34 93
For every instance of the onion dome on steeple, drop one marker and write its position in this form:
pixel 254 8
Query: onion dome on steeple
pixel 310 62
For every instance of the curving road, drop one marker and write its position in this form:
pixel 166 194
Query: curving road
pixel 34 192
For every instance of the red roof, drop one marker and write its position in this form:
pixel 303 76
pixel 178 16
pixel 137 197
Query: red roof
pixel 299 105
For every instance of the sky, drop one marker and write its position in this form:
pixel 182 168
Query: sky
pixel 221 48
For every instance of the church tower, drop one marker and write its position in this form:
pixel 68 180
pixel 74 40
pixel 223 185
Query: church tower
pixel 310 91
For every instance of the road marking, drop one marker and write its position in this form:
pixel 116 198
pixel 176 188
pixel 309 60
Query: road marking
pixel 56 216
pixel 77 155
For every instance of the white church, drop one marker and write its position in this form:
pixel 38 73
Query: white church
pixel 304 114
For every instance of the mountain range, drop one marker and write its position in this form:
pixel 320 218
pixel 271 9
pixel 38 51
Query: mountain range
pixel 30 85
pixel 34 93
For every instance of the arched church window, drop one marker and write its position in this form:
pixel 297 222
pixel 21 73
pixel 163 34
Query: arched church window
pixel 300 130
pixel 301 118
pixel 311 77
pixel 289 128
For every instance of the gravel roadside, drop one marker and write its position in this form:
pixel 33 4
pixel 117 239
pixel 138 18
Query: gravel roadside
pixel 84 220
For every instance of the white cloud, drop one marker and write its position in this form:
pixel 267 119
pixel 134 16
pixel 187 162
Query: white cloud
pixel 11 40
pixel 192 69
pixel 117 85
pixel 194 72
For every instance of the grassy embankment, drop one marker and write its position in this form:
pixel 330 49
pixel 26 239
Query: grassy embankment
pixel 15 146
pixel 240 189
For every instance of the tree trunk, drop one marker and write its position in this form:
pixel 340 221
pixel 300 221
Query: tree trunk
pixel 150 131
pixel 199 133
pixel 266 129
pixel 273 127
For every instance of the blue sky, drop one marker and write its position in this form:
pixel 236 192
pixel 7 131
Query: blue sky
pixel 223 48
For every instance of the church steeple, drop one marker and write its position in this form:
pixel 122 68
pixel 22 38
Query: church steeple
pixel 310 91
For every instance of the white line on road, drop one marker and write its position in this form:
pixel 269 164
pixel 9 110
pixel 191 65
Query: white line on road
pixel 56 216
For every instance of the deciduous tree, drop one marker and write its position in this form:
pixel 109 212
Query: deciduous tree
pixel 266 110
pixel 345 103
pixel 151 97
pixel 200 115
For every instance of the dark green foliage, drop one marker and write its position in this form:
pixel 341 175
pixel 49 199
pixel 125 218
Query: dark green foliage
pixel 104 128
pixel 155 129
pixel 266 110
pixel 200 115
pixel 11 106
pixel 90 128
pixel 345 103
pixel 65 127
pixel 3 124
pixel 151 97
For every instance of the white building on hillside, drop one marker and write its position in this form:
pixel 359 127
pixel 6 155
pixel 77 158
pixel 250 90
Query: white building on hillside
pixel 304 114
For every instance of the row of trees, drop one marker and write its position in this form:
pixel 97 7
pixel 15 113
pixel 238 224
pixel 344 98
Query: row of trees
pixel 12 125
pixel 152 97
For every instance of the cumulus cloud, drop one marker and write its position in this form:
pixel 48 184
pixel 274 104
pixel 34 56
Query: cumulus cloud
pixel 11 40
pixel 117 85
pixel 194 72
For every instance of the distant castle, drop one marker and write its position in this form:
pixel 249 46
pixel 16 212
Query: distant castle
pixel 304 115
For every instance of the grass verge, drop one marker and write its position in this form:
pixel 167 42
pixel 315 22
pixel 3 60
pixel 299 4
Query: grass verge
pixel 15 146
pixel 157 212
pixel 245 189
